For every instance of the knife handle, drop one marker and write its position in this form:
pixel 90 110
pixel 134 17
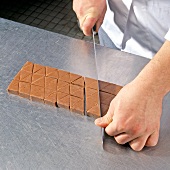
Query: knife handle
pixel 94 30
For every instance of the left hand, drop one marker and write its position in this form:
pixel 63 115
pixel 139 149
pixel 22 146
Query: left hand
pixel 134 116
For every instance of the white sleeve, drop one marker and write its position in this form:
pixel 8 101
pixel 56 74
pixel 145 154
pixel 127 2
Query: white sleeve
pixel 167 36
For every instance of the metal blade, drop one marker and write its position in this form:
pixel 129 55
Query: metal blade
pixel 94 45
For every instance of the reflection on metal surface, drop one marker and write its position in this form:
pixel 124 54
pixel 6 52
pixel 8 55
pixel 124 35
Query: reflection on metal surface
pixel 36 136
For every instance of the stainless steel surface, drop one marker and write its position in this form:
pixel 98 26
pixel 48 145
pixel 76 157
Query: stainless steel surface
pixel 37 136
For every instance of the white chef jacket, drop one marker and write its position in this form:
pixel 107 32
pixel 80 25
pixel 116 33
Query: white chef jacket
pixel 138 26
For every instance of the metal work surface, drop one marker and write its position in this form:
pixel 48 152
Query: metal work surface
pixel 37 136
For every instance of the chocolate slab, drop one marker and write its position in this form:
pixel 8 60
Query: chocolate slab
pixel 51 99
pixel 51 83
pixel 63 87
pixel 13 87
pixel 94 111
pixel 104 108
pixel 89 92
pixel 76 79
pixel 77 105
pixel 17 76
pixel 25 76
pixel 24 89
pixel 91 83
pixel 28 66
pixel 92 100
pixel 38 80
pixel 64 75
pixel 39 69
pixel 37 93
pixel 106 98
pixel 77 91
pixel 52 72
pixel 109 87
pixel 64 102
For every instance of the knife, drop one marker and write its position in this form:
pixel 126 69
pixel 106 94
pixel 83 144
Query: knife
pixel 94 46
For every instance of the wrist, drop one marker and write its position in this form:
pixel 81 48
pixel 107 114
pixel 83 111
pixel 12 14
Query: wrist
pixel 153 80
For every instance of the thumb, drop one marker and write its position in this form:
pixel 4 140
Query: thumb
pixel 106 119
pixel 103 121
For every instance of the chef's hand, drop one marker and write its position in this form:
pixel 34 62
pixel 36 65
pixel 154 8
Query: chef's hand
pixel 134 116
pixel 89 13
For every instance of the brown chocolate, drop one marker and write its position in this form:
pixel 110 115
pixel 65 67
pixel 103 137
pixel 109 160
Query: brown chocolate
pixel 51 83
pixel 89 92
pixel 77 91
pixel 50 99
pixel 77 105
pixel 24 89
pixel 64 102
pixel 63 87
pixel 91 83
pixel 28 66
pixel 92 100
pixel 17 76
pixel 102 84
pixel 110 88
pixel 52 72
pixel 77 79
pixel 104 108
pixel 25 76
pixel 106 98
pixel 39 69
pixel 38 80
pixel 37 93
pixel 94 111
pixel 13 87
pixel 64 75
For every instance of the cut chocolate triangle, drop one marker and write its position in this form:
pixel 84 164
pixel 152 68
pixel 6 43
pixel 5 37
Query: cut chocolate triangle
pixel 39 69
pixel 94 111
pixel 79 82
pixel 25 76
pixel 51 99
pixel 28 66
pixel 64 75
pixel 38 80
pixel 52 72
pixel 51 83
pixel 77 91
pixel 13 87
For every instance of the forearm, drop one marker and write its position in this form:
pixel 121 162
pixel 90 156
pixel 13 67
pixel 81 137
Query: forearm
pixel 156 75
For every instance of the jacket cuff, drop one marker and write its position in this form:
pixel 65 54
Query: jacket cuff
pixel 167 36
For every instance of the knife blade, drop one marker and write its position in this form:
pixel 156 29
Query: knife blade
pixel 94 46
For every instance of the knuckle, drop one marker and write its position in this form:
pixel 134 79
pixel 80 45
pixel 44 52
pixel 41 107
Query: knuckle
pixel 120 126
pixel 138 129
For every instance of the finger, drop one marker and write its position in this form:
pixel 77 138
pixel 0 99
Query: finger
pixel 124 138
pixel 138 143
pixel 112 129
pixel 100 21
pixel 106 119
pixel 153 139
pixel 88 24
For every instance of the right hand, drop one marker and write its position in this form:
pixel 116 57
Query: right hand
pixel 89 13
